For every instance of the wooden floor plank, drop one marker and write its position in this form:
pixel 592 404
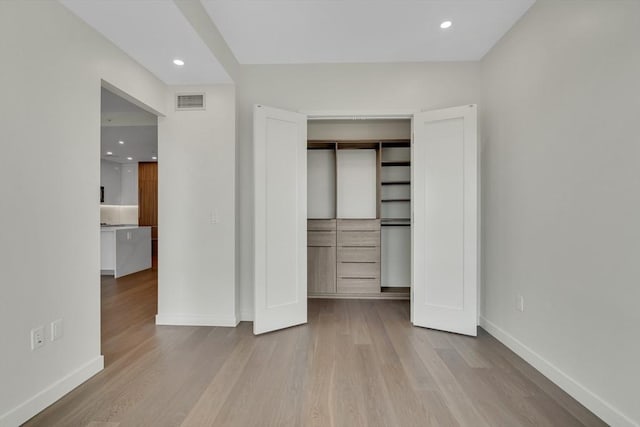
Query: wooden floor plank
pixel 356 363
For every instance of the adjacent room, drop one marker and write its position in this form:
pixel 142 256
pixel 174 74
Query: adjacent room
pixel 128 222
pixel 319 213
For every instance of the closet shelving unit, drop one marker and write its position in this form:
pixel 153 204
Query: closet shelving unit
pixel 395 214
pixel 396 155
pixel 363 265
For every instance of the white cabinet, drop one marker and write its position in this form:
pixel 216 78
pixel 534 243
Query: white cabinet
pixel 111 181
pixel 120 182
pixel 124 250
pixel 129 184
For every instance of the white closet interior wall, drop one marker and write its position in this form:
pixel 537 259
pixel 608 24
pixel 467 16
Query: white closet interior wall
pixel 357 184
pixel 358 129
pixel 321 184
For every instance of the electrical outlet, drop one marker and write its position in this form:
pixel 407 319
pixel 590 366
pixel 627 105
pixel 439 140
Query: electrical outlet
pixel 214 217
pixel 520 303
pixel 56 330
pixel 37 337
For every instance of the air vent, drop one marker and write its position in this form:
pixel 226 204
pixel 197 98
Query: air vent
pixel 190 101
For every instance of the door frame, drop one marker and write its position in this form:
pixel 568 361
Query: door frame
pixel 105 84
pixel 406 114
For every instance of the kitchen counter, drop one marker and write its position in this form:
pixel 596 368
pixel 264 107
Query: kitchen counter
pixel 118 227
pixel 124 249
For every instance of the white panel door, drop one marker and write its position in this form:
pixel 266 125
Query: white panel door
pixel 445 217
pixel 280 227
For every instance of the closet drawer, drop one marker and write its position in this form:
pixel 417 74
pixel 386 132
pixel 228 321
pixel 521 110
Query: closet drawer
pixel 359 270
pixel 358 286
pixel 359 224
pixel 356 254
pixel 321 224
pixel 321 270
pixel 358 238
pixel 321 238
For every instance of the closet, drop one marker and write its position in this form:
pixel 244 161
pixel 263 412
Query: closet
pixel 347 206
pixel 359 209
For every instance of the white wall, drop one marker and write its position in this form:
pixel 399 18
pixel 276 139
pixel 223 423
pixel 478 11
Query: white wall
pixel 111 180
pixel 336 87
pixel 359 129
pixel 357 184
pixel 321 184
pixel 196 196
pixel 561 198
pixel 50 119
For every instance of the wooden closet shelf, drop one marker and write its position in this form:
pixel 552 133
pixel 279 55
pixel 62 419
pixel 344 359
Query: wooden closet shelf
pixel 394 289
pixel 396 222
pixel 405 143
pixel 399 163
pixel 396 183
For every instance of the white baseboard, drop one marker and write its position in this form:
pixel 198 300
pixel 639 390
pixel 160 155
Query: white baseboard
pixel 49 395
pixel 246 315
pixel 590 400
pixel 195 320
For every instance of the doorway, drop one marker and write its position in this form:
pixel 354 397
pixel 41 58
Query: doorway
pixel 359 208
pixel 128 220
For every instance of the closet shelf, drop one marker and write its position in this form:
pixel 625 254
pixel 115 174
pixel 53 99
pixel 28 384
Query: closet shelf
pixel 396 222
pixel 395 200
pixel 396 183
pixel 402 163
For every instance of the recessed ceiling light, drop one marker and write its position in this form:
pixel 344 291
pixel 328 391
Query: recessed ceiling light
pixel 154 158
pixel 178 62
pixel 445 24
pixel 129 158
pixel 120 142
pixel 109 153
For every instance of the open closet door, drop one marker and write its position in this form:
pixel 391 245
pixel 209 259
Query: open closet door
pixel 445 217
pixel 280 227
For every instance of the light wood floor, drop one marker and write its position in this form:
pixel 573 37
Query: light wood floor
pixel 357 363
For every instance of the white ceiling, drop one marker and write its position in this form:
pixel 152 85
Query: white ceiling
pixel 153 32
pixel 112 103
pixel 315 31
pixel 123 121
pixel 140 143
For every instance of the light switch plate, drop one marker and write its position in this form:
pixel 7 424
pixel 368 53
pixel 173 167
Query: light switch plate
pixel 56 330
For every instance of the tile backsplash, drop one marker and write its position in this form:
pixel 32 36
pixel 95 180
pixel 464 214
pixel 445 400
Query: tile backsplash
pixel 119 214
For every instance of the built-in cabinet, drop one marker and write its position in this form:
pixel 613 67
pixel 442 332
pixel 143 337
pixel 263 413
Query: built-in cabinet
pixel 321 256
pixel 129 184
pixel 359 210
pixel 358 256
pixel 119 182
